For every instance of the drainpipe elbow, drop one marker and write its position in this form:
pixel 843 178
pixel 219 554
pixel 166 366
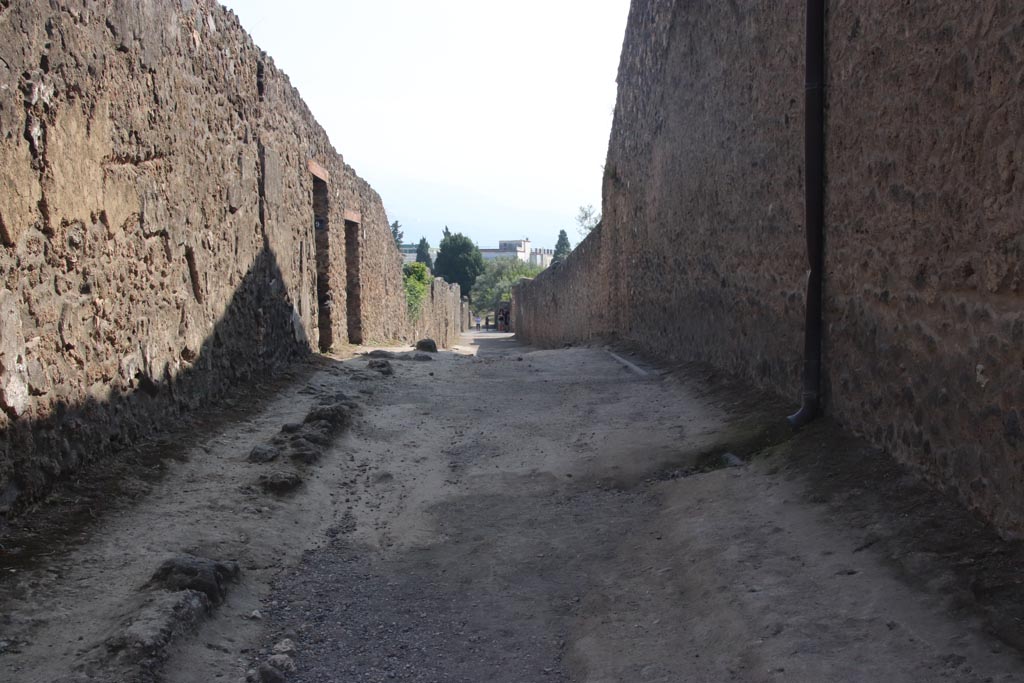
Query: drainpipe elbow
pixel 810 404
pixel 808 411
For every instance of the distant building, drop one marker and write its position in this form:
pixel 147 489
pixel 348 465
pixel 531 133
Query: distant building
pixel 409 253
pixel 517 249
pixel 541 257
pixel 521 250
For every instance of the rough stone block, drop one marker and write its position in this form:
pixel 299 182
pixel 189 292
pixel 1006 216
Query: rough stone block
pixel 201 574
pixel 14 389
pixel 428 345
pixel 20 191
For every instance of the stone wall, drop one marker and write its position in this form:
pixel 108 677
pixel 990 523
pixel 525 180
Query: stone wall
pixel 925 260
pixel 701 251
pixel 440 314
pixel 565 302
pixel 157 240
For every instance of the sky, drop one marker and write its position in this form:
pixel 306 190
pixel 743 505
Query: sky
pixel 489 117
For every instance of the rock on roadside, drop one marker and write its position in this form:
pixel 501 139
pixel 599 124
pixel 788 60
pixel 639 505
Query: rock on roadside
pixel 382 366
pixel 263 453
pixel 144 643
pixel 280 481
pixel 189 572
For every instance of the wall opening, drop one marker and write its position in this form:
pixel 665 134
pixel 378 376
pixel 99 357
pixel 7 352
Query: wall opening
pixel 324 298
pixel 352 286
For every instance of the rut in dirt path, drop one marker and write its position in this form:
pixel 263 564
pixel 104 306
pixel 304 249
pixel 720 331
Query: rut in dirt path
pixel 113 597
pixel 501 517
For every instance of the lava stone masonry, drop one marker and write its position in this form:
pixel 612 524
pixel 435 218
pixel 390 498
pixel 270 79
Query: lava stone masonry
pixel 157 238
pixel 701 252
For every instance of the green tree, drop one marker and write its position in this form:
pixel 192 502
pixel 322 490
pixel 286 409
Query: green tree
pixel 458 260
pixel 494 285
pixel 396 232
pixel 562 246
pixel 587 219
pixel 416 278
pixel 423 253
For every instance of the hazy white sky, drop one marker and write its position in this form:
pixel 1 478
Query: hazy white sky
pixel 489 117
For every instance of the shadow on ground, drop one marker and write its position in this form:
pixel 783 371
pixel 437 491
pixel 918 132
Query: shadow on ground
pixel 934 543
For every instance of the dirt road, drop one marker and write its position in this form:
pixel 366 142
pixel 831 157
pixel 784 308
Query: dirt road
pixel 506 514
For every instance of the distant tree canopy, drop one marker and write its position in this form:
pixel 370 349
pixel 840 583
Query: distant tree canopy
pixel 494 285
pixel 562 246
pixel 458 261
pixel 417 283
pixel 396 232
pixel 587 219
pixel 423 253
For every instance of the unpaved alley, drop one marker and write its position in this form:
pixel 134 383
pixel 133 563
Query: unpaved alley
pixel 500 513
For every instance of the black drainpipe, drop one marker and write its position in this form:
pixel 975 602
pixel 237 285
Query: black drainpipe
pixel 814 163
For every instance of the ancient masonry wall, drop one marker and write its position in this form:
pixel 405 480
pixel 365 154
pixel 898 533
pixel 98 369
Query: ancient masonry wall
pixel 440 314
pixel 157 239
pixel 566 302
pixel 701 251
